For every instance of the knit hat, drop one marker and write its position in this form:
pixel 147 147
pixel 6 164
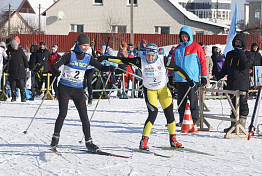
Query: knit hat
pixel 83 39
pixel 17 39
pixel 42 43
pixel 8 40
pixel 98 51
pixel 54 47
pixel 3 44
pixel 14 43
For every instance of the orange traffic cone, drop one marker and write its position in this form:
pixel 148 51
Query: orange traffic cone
pixel 187 124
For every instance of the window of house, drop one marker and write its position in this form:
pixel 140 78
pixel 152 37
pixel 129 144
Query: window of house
pixel 129 2
pixel 98 2
pixel 118 29
pixel 162 30
pixel 257 14
pixel 77 28
pixel 200 32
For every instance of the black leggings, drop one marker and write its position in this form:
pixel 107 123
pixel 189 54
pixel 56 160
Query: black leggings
pixel 77 95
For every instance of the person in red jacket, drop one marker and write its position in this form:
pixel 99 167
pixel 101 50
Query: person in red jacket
pixel 52 58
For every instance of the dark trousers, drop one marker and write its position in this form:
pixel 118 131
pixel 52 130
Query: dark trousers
pixel 14 83
pixel 77 95
pixel 182 88
pixel 88 81
pixel 243 105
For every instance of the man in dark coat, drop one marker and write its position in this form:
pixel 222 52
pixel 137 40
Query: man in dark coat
pixel 236 66
pixel 257 57
pixel 40 57
pixel 17 69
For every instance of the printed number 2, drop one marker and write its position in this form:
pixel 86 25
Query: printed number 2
pixel 154 79
pixel 76 76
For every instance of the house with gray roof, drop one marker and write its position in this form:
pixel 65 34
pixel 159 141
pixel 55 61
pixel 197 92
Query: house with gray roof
pixel 149 17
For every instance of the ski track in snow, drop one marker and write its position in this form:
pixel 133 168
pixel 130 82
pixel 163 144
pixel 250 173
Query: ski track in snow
pixel 113 128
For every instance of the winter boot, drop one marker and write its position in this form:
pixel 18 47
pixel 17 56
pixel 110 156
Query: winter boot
pixel 227 129
pixel 13 96
pixel 55 140
pixel 232 124
pixel 174 142
pixel 22 92
pixel 91 147
pixel 143 143
pixel 90 99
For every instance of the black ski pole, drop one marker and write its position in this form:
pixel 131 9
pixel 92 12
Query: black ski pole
pixel 104 88
pixel 40 105
pixel 252 128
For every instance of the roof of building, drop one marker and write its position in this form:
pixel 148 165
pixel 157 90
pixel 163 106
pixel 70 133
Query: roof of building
pixel 193 17
pixel 15 5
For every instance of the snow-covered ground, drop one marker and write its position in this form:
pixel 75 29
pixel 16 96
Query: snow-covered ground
pixel 117 125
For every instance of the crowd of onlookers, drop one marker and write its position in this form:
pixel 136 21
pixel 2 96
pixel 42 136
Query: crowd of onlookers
pixel 26 70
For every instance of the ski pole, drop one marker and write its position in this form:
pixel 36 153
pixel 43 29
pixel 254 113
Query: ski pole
pixel 103 84
pixel 104 88
pixel 40 105
pixel 125 71
pixel 252 126
pixel 183 99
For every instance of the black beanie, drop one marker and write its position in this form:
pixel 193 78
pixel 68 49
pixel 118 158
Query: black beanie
pixel 8 40
pixel 83 39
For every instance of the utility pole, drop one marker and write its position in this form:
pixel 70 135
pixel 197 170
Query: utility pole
pixel 217 12
pixel 131 22
pixel 9 23
pixel 39 30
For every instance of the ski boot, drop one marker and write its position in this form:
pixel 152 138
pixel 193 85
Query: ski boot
pixel 174 142
pixel 143 143
pixel 91 147
pixel 55 140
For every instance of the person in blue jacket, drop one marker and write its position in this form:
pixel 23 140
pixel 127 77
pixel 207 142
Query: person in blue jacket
pixel 190 56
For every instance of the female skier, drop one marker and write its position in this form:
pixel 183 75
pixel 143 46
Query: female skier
pixel 71 86
pixel 153 68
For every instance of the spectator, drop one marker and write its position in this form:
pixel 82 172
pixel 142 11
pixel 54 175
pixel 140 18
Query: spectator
pixel 32 63
pixel 139 51
pixel 209 63
pixel 41 57
pixel 3 56
pixel 193 61
pixel 17 66
pixel 218 60
pixel 52 58
pixel 236 66
pixel 130 49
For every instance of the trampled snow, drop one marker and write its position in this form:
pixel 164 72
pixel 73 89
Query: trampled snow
pixel 118 124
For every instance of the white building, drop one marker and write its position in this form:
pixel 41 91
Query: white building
pixel 150 17
pixel 212 10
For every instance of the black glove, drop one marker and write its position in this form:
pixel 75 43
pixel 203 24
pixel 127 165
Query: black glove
pixel 112 68
pixel 56 73
pixel 190 82
pixel 101 58
pixel 122 66
pixel 203 82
